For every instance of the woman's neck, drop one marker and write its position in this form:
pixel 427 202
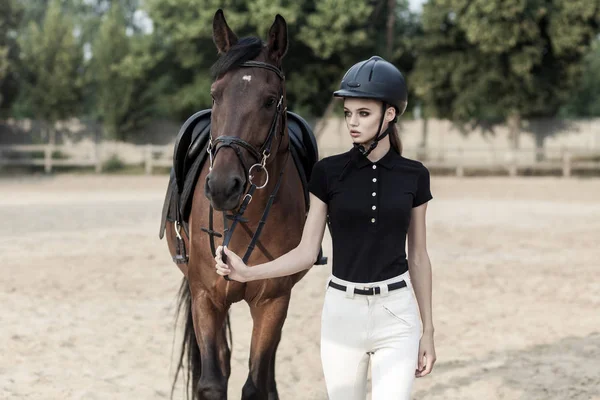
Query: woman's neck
pixel 381 150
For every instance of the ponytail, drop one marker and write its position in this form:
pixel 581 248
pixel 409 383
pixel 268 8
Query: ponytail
pixel 395 141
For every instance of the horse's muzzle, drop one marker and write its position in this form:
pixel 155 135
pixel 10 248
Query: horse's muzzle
pixel 224 193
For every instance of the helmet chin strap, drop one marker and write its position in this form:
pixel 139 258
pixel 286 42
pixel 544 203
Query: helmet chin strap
pixel 380 135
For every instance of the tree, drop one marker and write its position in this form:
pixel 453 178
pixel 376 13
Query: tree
pixel 585 101
pixel 184 27
pixel 486 59
pixel 338 40
pixel 10 17
pixel 50 65
pixel 125 94
pixel 326 37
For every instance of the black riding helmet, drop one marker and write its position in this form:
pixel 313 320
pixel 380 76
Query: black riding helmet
pixel 375 79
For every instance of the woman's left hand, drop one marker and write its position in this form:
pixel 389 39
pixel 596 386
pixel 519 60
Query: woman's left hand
pixel 426 355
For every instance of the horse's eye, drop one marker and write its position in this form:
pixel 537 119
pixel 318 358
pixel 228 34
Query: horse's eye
pixel 213 98
pixel 270 102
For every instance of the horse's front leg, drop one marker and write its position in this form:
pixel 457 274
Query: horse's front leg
pixel 268 317
pixel 215 355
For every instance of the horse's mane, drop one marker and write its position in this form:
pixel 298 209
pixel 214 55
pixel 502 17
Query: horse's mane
pixel 245 49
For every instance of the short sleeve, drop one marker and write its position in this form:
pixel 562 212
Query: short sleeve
pixel 318 182
pixel 423 194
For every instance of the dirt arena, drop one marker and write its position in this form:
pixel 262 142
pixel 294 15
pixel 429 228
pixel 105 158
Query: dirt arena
pixel 87 293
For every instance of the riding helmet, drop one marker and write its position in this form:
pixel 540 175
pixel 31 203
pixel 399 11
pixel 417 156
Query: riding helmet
pixel 377 79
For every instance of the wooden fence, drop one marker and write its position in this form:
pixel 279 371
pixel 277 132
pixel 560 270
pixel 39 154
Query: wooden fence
pixel 49 156
pixel 457 161
pixel 508 161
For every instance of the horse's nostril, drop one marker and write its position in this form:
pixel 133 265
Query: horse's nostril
pixel 236 187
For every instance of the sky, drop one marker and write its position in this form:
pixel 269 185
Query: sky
pixel 415 5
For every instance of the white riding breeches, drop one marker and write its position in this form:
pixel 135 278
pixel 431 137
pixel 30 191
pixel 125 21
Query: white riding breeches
pixel 384 329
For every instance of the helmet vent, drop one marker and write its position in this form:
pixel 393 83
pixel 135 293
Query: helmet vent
pixel 354 84
pixel 371 73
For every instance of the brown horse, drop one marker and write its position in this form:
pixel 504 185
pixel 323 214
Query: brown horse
pixel 248 115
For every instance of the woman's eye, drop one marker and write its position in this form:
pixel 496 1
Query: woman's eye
pixel 364 114
pixel 348 114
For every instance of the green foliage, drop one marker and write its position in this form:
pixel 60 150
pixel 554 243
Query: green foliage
pixel 329 30
pixel 585 100
pixel 11 14
pixel 483 59
pixel 51 59
pixel 113 164
pixel 464 59
pixel 119 70
pixel 326 37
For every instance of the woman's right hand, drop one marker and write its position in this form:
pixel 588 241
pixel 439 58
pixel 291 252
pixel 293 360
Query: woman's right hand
pixel 235 267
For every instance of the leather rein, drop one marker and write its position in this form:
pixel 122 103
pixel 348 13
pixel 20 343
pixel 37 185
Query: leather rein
pixel 261 156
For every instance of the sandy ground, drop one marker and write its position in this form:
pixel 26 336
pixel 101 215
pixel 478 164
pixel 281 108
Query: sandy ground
pixel 87 293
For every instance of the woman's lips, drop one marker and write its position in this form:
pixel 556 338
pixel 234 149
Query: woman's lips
pixel 354 133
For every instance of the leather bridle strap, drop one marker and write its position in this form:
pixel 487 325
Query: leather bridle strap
pixel 228 141
pixel 263 220
pixel 263 65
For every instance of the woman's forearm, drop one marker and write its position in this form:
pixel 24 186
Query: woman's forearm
pixel 296 260
pixel 420 275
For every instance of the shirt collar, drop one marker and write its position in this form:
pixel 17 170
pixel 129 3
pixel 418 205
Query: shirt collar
pixel 387 161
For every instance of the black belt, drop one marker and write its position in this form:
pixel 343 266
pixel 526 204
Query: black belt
pixel 370 291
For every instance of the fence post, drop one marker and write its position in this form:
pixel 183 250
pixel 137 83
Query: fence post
pixel 512 159
pixel 460 171
pixel 98 156
pixel 48 159
pixel 567 164
pixel 148 159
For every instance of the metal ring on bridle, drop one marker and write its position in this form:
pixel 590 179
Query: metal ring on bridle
pixel 178 229
pixel 210 154
pixel 250 175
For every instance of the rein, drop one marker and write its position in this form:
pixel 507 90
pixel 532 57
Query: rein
pixel 261 156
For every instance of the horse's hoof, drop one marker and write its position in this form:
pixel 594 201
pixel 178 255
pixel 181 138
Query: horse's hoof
pixel 273 396
pixel 213 393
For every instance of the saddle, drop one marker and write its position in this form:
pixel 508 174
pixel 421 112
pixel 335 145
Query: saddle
pixel 190 154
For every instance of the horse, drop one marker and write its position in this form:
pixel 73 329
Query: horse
pixel 250 173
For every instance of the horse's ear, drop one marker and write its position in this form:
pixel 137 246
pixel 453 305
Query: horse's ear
pixel 278 39
pixel 223 36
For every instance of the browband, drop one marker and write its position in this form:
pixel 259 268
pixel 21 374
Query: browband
pixel 260 64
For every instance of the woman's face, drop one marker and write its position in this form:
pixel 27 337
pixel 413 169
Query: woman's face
pixel 362 118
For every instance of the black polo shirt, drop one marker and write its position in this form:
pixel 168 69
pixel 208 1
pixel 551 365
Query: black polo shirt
pixel 369 208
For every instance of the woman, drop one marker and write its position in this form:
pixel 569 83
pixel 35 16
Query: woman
pixel 373 199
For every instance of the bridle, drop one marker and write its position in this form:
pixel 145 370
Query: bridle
pixel 261 156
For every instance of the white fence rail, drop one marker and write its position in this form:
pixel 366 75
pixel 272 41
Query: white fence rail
pixel 49 156
pixel 512 162
pixel 458 161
